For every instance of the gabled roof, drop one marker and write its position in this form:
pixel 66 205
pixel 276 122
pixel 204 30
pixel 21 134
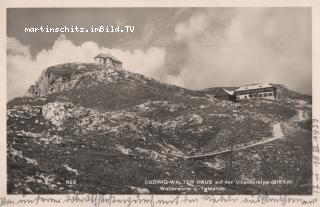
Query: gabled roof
pixel 222 92
pixel 108 55
pixel 254 86
pixel 229 92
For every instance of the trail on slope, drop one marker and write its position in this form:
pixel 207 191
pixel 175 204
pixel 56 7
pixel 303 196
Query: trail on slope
pixel 301 115
pixel 277 134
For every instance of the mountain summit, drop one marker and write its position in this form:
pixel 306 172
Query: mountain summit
pixel 95 128
pixel 95 85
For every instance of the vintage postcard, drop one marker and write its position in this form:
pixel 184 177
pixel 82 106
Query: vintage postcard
pixel 160 104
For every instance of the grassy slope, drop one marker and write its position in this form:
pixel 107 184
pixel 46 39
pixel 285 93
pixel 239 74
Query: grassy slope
pixel 111 162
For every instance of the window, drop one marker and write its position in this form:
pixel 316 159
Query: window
pixel 260 95
pixel 265 94
pixel 270 94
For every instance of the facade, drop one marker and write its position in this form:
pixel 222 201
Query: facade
pixel 107 60
pixel 255 91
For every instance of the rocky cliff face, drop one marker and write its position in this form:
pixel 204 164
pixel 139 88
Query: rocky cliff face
pixel 82 128
pixel 68 76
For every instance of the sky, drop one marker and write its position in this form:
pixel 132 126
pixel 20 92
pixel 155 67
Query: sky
pixel 195 48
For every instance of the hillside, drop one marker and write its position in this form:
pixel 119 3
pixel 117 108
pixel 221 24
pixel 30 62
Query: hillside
pixel 284 93
pixel 83 128
pixel 92 86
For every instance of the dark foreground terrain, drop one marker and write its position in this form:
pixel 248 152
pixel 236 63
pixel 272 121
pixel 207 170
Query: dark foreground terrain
pixel 86 129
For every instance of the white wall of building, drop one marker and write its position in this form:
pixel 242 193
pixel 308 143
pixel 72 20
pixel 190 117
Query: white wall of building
pixel 264 95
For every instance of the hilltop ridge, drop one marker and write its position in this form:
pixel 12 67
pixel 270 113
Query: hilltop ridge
pixel 91 84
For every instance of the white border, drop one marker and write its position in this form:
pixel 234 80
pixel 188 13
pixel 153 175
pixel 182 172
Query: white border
pixel 315 4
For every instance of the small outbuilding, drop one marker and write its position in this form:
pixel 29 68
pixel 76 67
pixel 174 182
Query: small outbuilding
pixel 225 94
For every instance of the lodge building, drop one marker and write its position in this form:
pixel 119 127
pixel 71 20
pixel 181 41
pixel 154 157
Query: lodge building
pixel 255 91
pixel 248 92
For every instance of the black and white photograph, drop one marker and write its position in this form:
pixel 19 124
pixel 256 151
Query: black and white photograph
pixel 159 100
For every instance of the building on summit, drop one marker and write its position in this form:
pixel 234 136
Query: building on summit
pixel 107 60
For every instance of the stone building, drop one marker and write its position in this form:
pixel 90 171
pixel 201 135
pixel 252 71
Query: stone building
pixel 107 60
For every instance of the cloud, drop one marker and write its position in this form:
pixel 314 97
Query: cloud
pixel 187 31
pixel 204 48
pixel 247 45
pixel 23 69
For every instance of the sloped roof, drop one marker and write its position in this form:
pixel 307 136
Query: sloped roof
pixel 254 86
pixel 222 92
pixel 229 92
pixel 108 55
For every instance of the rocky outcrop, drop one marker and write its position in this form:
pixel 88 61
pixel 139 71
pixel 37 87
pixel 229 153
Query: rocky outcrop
pixel 65 77
pixel 92 84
